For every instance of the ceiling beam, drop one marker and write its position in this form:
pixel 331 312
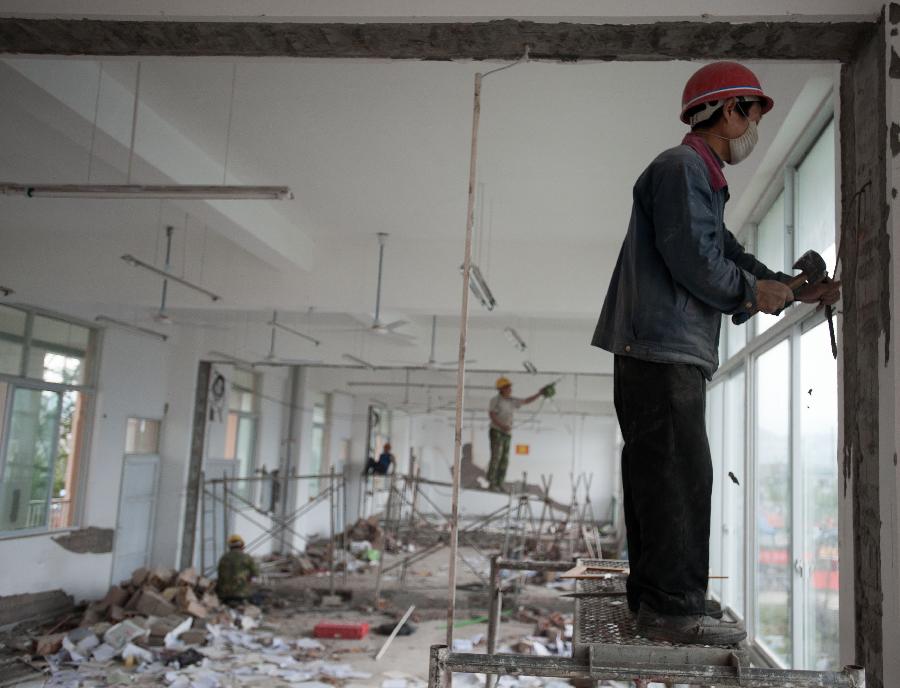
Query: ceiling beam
pixel 493 40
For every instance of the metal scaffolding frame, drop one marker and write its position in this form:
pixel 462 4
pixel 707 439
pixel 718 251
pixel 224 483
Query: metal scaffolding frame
pixel 222 490
pixel 606 647
pixel 520 523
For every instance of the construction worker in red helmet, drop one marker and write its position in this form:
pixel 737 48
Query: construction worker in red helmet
pixel 678 271
pixel 501 411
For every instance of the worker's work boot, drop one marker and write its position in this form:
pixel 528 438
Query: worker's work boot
pixel 713 609
pixel 696 629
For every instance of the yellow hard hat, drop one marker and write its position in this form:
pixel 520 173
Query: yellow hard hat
pixel 503 382
pixel 235 541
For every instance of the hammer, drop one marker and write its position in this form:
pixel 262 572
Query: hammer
pixel 813 271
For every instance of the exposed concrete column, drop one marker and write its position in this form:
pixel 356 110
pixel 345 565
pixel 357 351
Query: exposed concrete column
pixel 868 390
pixel 290 462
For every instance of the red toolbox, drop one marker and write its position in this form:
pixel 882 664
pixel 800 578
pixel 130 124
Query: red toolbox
pixel 343 631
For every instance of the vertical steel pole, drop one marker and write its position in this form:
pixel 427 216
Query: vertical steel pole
pixel 225 509
pixel 385 532
pixel 332 507
pixel 494 611
pixel 509 509
pixel 202 524
pixel 461 370
pixel 345 528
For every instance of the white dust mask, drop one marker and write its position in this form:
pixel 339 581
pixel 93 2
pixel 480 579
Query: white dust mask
pixel 743 145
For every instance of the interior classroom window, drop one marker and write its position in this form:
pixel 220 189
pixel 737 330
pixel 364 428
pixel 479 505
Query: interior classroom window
pixel 241 426
pixel 772 420
pixel 317 438
pixel 46 387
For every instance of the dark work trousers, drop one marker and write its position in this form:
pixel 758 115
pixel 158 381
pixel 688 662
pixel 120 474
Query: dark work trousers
pixel 667 480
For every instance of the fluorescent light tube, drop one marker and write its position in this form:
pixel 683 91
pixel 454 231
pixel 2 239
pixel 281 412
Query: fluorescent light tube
pixel 358 361
pixel 275 323
pixel 230 358
pixel 185 191
pixel 133 328
pixel 7 291
pixel 480 288
pixel 530 367
pixel 515 339
pixel 137 263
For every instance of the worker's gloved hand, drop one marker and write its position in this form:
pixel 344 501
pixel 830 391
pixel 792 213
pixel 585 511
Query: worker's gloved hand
pixel 825 293
pixel 772 296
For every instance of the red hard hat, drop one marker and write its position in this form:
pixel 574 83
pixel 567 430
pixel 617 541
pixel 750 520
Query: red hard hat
pixel 718 81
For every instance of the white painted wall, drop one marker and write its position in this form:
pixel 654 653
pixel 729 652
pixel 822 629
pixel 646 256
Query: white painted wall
pixel 130 383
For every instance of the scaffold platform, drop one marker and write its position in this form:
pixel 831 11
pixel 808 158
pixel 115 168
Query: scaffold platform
pixel 607 646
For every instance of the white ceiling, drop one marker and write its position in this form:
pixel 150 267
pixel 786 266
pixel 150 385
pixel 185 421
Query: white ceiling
pixel 366 147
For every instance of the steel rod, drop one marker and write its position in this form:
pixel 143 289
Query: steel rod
pixel 331 513
pixel 461 358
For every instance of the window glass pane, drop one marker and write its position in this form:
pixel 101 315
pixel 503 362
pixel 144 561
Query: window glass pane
pixel 815 198
pixel 733 540
pixel 736 336
pixel 243 378
pixel 246 438
pixel 57 351
pixel 66 460
pixel 770 250
pixel 231 430
pixel 12 334
pixel 31 449
pixel 818 452
pixel 714 409
pixel 773 502
pixel 142 436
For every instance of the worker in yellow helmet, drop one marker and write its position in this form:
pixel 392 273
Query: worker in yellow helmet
pixel 237 569
pixel 501 410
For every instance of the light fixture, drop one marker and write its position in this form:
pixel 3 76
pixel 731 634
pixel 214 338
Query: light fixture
pixel 7 291
pixel 133 328
pixel 515 339
pixel 221 192
pixel 358 361
pixel 530 367
pixel 231 359
pixel 137 263
pixel 480 288
pixel 274 323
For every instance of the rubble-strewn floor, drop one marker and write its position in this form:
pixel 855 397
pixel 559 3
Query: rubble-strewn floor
pixel 278 649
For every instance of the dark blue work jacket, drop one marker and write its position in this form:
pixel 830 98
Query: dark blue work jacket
pixel 679 268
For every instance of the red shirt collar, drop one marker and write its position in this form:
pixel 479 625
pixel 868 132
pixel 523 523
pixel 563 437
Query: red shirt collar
pixel 713 162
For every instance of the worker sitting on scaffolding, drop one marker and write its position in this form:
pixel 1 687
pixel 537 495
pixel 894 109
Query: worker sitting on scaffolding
pixel 384 463
pixel 501 410
pixel 237 570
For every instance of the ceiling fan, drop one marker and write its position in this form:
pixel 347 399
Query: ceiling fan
pixel 431 363
pixel 378 327
pixel 162 316
pixel 271 359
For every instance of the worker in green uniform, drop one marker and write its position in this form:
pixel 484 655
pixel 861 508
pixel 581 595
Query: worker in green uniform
pixel 237 569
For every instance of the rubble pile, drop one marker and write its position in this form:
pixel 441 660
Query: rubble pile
pixel 366 540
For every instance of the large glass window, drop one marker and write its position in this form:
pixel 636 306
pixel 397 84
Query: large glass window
pixel 318 445
pixel 770 250
pixel 819 475
pixel 44 366
pixel 734 483
pixel 714 410
pixel 773 501
pixel 815 181
pixel 773 435
pixel 241 425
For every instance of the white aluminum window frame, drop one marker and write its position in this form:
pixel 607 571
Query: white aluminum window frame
pixel 88 390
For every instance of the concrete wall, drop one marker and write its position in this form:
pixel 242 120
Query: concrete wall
pixel 129 384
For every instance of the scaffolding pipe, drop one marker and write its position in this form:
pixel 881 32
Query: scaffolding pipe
pixel 331 513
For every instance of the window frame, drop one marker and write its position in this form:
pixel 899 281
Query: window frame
pixel 246 488
pixel 88 389
pixel 790 327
